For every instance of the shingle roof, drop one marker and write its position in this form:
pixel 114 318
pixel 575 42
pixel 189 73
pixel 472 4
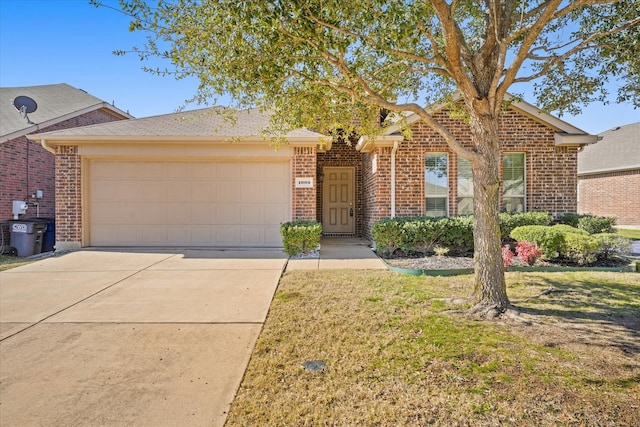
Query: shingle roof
pixel 56 103
pixel 214 123
pixel 619 149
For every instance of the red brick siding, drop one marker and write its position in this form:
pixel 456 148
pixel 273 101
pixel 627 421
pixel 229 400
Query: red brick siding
pixel 376 188
pixel 68 195
pixel 20 178
pixel 612 194
pixel 342 155
pixel 303 165
pixel 550 171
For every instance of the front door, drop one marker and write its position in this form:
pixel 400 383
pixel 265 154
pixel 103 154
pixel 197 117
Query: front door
pixel 338 210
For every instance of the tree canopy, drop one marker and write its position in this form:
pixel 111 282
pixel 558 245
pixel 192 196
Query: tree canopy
pixel 332 64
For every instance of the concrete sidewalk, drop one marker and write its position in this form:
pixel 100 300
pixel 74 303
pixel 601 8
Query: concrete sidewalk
pixel 340 253
pixel 131 337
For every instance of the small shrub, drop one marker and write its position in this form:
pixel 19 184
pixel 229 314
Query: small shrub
pixel 507 255
pixel 528 252
pixel 388 236
pixel 580 248
pixel 509 221
pixel 548 239
pixel 456 233
pixel 420 235
pixel 612 244
pixel 564 228
pixel 441 251
pixel 597 224
pixel 299 237
pixel 569 219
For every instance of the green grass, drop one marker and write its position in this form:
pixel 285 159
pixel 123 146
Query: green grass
pixel 8 262
pixel 629 233
pixel 395 357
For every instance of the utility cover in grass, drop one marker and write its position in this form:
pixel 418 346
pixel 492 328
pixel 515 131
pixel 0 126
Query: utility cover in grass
pixel 314 366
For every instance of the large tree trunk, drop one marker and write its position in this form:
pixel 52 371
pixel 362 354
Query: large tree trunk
pixel 490 293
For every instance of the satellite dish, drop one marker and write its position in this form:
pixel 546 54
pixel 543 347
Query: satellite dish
pixel 25 105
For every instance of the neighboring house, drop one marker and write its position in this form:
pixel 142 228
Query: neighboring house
pixel 609 176
pixel 25 166
pixel 193 179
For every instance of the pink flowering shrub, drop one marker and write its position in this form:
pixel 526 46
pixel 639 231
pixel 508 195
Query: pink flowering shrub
pixel 507 255
pixel 528 252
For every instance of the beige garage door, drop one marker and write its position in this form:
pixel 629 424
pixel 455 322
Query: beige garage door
pixel 224 204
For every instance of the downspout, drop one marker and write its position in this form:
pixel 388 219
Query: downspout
pixel 393 178
pixel 47 147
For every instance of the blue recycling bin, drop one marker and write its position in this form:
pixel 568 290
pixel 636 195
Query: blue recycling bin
pixel 49 236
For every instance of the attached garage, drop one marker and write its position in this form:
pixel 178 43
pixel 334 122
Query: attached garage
pixel 190 179
pixel 218 203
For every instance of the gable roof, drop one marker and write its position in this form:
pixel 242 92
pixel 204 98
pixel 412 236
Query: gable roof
pixel 566 134
pixel 215 124
pixel 618 150
pixel 56 103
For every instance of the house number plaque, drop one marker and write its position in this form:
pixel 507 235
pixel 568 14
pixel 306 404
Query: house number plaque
pixel 304 182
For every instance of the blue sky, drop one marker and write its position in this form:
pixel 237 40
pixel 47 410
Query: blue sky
pixel 70 41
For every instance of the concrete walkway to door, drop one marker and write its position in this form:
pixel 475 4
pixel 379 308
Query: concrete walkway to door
pixel 125 337
pixel 338 253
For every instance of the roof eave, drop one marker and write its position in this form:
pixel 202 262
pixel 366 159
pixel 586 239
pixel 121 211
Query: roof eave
pixel 573 140
pixel 111 109
pixel 367 145
pixel 58 140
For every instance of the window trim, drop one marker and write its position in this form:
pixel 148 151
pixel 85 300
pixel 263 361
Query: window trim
pixel 460 159
pixel 448 188
pixel 524 179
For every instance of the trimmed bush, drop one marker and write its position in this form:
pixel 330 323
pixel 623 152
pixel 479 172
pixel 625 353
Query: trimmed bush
pixel 300 237
pixel 420 235
pixel 580 248
pixel 591 224
pixel 388 236
pixel 457 233
pixel 507 255
pixel 569 219
pixel 528 252
pixel 597 224
pixel 563 228
pixel 510 221
pixel 548 239
pixel 612 244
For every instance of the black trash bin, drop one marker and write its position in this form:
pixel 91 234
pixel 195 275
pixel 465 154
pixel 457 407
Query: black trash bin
pixel 49 237
pixel 26 236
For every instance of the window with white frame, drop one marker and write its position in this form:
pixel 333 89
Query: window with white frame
pixel 436 178
pixel 514 182
pixel 465 187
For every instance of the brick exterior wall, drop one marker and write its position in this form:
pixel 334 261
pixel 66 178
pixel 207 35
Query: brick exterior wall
pixel 303 165
pixel 611 194
pixel 27 167
pixel 376 188
pixel 342 154
pixel 551 172
pixel 68 197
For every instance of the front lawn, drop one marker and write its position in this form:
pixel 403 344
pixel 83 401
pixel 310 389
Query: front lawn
pixel 629 233
pixel 8 262
pixel 395 358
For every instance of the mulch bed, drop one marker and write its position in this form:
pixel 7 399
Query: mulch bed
pixel 436 262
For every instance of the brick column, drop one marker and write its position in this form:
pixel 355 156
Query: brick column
pixel 303 165
pixel 68 198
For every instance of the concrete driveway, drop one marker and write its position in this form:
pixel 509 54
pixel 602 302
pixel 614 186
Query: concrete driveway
pixel 130 337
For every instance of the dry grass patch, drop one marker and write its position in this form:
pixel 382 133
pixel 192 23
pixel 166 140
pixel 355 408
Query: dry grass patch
pixel 8 262
pixel 394 358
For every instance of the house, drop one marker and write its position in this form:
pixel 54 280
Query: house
pixel 25 166
pixel 194 179
pixel 609 176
